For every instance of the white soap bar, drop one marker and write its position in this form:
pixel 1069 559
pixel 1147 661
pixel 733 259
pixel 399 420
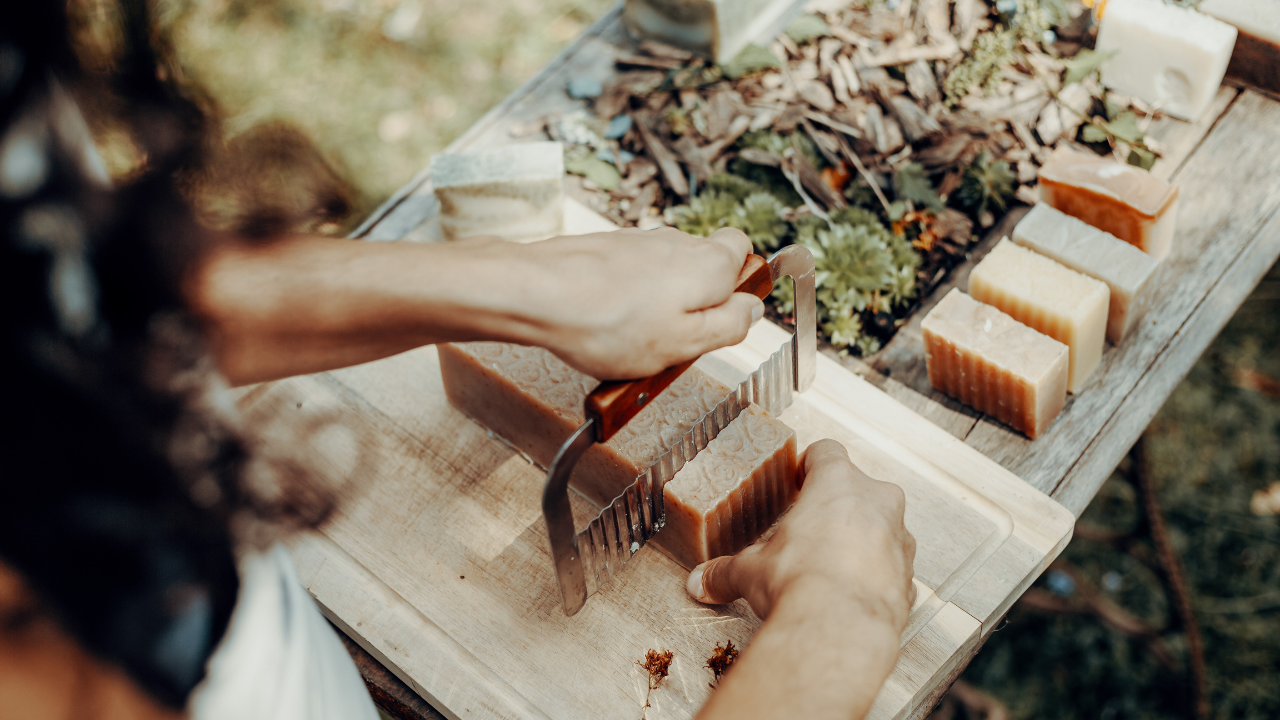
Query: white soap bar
pixel 1124 268
pixel 1256 58
pixel 718 29
pixel 1171 57
pixel 986 359
pixel 1058 301
pixel 514 192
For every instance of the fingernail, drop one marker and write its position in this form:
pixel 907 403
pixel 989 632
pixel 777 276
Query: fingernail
pixel 757 312
pixel 694 586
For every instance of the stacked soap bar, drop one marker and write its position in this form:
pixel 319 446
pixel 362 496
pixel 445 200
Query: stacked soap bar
pixel 1256 58
pixel 1081 247
pixel 513 192
pixel 532 399
pixel 1124 200
pixel 1055 300
pixel 732 491
pixel 985 358
pixel 1172 57
pixel 719 29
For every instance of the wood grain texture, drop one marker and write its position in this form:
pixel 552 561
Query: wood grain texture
pixel 444 521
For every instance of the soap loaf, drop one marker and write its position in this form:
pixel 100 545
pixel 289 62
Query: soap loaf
pixel 513 192
pixel 718 29
pixel 986 359
pixel 1171 57
pixel 1046 296
pixel 1124 268
pixel 729 494
pixel 533 400
pixel 1124 200
pixel 1256 57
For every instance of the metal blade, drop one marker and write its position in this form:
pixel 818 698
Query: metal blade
pixel 635 516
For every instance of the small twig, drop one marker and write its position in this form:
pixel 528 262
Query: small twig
pixel 1173 571
pixel 863 171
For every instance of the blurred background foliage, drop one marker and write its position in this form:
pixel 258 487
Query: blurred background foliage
pixel 380 85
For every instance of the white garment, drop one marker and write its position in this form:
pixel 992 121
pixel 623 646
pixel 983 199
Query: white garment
pixel 280 659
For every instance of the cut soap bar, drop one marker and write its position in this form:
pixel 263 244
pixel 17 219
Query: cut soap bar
pixel 1059 302
pixel 718 29
pixel 732 491
pixel 1083 248
pixel 533 400
pixel 986 359
pixel 514 192
pixel 1256 58
pixel 1124 200
pixel 1172 57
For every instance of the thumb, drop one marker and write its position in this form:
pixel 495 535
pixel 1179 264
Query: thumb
pixel 725 324
pixel 712 582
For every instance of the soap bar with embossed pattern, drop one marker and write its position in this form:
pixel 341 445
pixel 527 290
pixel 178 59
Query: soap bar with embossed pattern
pixel 732 491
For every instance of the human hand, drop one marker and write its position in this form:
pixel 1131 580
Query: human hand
pixel 630 303
pixel 844 535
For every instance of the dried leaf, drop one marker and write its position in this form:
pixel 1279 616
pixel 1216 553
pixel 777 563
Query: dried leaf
pixel 722 658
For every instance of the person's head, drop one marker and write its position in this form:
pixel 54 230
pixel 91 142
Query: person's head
pixel 122 472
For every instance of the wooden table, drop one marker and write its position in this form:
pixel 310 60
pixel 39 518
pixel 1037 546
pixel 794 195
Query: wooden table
pixel 1228 167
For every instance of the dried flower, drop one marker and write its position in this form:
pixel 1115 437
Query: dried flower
pixel 722 658
pixel 658 665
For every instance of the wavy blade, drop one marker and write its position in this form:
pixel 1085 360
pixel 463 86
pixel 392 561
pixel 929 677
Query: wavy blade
pixel 635 516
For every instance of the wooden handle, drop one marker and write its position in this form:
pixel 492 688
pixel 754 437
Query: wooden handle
pixel 615 402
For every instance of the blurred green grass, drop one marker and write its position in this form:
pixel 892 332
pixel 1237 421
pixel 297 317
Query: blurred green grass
pixel 379 85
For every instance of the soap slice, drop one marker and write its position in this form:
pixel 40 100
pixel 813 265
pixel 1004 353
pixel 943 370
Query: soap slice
pixel 1124 268
pixel 1172 57
pixel 1124 200
pixel 513 192
pixel 1055 300
pixel 986 359
pixel 533 400
pixel 1256 58
pixel 718 29
pixel 732 491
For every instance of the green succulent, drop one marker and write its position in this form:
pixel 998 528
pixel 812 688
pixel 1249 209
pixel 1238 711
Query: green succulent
pixel 705 213
pixel 987 183
pixel 739 187
pixel 760 217
pixel 843 330
pixel 981 68
pixel 784 295
pixel 852 262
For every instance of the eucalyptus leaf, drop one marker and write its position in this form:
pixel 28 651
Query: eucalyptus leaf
pixel 806 28
pixel 1125 127
pixel 1085 63
pixel 1141 157
pixel 1093 134
pixel 752 58
pixel 911 183
pixel 594 169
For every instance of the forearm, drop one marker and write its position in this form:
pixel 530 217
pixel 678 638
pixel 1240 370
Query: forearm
pixel 308 304
pixel 819 655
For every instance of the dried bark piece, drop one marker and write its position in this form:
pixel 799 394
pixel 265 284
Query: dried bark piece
pixel 647 198
pixel 945 154
pixel 662 155
pixel 916 123
pixel 817 94
pixel 878 81
pixel 922 84
pixel 626 59
pixel 721 109
pixel 883 131
pixel 699 158
pixel 660 49
pixel 850 76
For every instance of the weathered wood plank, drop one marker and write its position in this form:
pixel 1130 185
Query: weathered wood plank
pixel 1129 421
pixel 1228 191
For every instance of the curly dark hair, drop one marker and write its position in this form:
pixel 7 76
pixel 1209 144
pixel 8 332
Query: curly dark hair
pixel 124 470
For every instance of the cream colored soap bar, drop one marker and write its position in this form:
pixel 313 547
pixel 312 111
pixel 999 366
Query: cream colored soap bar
pixel 732 491
pixel 1172 57
pixel 533 400
pixel 719 29
pixel 986 359
pixel 1124 200
pixel 1256 58
pixel 1124 268
pixel 1055 300
pixel 514 192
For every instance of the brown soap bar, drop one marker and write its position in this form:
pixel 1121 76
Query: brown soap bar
pixel 1124 200
pixel 732 491
pixel 986 359
pixel 533 400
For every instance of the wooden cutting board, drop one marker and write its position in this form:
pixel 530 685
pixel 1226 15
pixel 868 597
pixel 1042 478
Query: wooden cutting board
pixel 437 561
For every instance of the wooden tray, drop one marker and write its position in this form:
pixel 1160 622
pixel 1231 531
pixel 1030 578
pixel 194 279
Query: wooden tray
pixel 437 562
